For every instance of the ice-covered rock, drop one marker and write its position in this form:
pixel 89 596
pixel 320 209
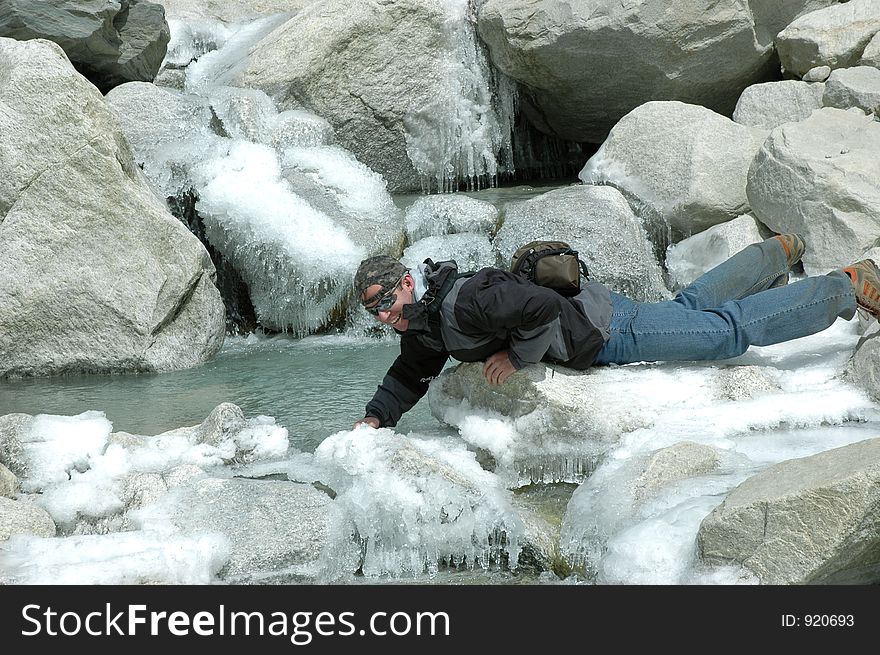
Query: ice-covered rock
pixel 415 505
pixel 134 557
pixel 244 512
pixel 690 258
pixel 470 251
pixel 447 124
pixel 440 214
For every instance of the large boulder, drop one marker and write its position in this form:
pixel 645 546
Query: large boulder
pixel 582 65
pixel 834 36
pixel 96 274
pixel 108 41
pixel 690 258
pixel 821 178
pixel 805 521
pixel 354 64
pixel 691 172
pixel 598 223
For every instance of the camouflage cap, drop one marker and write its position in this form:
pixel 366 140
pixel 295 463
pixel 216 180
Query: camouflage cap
pixel 382 270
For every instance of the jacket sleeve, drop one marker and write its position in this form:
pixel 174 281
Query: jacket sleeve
pixel 406 381
pixel 501 302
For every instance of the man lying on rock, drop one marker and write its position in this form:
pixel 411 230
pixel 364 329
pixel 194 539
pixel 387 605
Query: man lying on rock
pixel 508 322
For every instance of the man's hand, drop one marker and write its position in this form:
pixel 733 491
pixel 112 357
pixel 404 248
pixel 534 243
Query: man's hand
pixel 498 368
pixel 372 421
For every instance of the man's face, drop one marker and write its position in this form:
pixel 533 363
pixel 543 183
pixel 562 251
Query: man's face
pixel 393 315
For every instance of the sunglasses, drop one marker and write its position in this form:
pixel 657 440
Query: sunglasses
pixel 386 302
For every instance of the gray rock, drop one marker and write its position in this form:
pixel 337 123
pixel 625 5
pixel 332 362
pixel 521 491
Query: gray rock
pixel 171 78
pixel 871 55
pixel 98 276
pixel 245 511
pixel 817 74
pixel 145 35
pixel 691 173
pixel 821 178
pixel 835 36
pixel 744 382
pixel 864 366
pixel 540 548
pixel 772 17
pixel 12 429
pixel 854 87
pixel 583 65
pixel 598 223
pixel 222 423
pixel 9 484
pixel 770 104
pixel 110 42
pixel 24 517
pixel 805 521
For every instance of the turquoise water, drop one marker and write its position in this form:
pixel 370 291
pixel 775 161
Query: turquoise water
pixel 314 387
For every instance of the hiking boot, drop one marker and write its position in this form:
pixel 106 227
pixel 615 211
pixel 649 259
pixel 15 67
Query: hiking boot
pixel 865 278
pixel 794 246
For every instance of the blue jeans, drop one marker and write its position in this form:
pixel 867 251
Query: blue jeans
pixel 726 310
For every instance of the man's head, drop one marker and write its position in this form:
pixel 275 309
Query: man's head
pixel 384 286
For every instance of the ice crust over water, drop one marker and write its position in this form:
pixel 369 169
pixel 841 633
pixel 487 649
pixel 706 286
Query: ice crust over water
pixel 414 502
pixel 620 537
pixel 136 557
pixel 219 66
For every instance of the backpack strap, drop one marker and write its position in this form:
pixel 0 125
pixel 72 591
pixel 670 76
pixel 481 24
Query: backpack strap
pixel 434 295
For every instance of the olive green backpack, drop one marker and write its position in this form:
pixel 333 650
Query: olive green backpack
pixel 551 264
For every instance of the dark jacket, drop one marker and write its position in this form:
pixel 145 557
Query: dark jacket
pixel 473 317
